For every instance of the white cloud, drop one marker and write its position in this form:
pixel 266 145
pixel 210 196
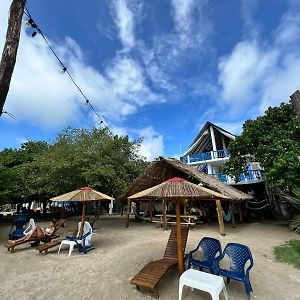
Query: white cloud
pixel 256 75
pixel 42 96
pixel 124 20
pixel 188 16
pixel 242 70
pixel 152 145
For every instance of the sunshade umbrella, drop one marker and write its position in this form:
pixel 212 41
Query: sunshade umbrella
pixel 177 189
pixel 83 195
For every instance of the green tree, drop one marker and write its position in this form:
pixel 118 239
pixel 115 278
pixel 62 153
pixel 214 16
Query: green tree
pixel 273 140
pixel 77 158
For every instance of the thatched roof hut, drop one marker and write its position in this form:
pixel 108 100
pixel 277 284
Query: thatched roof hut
pixel 165 168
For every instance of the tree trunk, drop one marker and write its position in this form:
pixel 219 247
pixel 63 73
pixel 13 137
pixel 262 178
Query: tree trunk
pixel 296 101
pixel 10 49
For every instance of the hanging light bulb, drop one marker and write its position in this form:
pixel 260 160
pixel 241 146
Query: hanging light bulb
pixel 63 70
pixel 87 102
pixel 34 34
pixel 29 22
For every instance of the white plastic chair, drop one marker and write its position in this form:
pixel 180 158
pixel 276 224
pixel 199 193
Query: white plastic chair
pixel 86 228
pixel 207 282
pixel 31 227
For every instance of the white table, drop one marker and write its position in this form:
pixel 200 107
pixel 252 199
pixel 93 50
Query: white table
pixel 207 282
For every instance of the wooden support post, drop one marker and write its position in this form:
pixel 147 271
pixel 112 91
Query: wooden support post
pixel 164 214
pixel 240 213
pixel 179 239
pixel 184 207
pixel 231 206
pixel 150 211
pixel 83 217
pixel 128 212
pixel 220 217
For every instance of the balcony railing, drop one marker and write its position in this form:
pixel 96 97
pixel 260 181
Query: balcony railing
pixel 204 156
pixel 251 175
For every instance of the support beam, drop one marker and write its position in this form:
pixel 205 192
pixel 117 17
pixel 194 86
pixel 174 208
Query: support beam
pixel 184 207
pixel 179 239
pixel 231 205
pixel 220 217
pixel 164 214
pixel 213 139
pixel 84 204
pixel 240 213
pixel 150 211
pixel 128 213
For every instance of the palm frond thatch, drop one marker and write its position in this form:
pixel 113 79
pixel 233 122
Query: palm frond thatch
pixel 82 195
pixel 165 168
pixel 180 189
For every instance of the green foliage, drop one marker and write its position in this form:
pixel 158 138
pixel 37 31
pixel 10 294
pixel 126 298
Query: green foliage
pixel 75 159
pixel 273 140
pixel 289 253
pixel 294 200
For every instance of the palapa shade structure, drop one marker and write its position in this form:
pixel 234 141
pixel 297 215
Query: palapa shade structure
pixel 177 189
pixel 83 195
pixel 163 169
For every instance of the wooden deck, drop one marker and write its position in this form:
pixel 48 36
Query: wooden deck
pixel 150 276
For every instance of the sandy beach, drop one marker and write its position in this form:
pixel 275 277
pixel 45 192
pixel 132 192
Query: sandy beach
pixel 120 253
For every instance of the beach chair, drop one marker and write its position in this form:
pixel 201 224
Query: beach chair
pixel 210 247
pixel 150 276
pixel 238 255
pixel 83 242
pixel 17 228
pixel 35 240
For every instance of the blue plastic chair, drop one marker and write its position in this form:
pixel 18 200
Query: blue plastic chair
pixel 210 247
pixel 18 226
pixel 239 255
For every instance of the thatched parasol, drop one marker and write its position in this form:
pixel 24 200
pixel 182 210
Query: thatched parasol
pixel 177 189
pixel 83 195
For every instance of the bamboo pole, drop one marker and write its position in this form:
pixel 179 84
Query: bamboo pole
pixel 127 214
pixel 220 217
pixel 179 239
pixel 240 213
pixel 232 215
pixel 150 211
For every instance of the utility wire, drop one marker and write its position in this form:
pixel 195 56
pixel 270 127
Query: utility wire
pixel 32 24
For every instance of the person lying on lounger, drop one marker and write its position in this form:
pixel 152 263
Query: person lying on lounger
pixel 37 232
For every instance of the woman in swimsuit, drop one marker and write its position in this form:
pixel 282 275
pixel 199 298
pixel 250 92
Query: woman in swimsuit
pixel 37 232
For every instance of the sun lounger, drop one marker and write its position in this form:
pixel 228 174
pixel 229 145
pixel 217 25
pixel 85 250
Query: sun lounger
pixel 59 224
pixel 150 276
pixel 45 247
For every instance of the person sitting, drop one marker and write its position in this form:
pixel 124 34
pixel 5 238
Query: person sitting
pixel 37 232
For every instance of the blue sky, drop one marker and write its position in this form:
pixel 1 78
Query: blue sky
pixel 154 69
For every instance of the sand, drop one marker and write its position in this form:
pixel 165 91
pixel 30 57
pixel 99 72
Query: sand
pixel 120 253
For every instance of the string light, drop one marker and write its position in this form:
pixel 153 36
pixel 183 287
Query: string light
pixel 30 23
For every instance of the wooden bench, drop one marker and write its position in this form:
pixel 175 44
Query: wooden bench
pixel 45 247
pixel 150 276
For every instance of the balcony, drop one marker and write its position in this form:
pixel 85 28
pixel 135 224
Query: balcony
pixel 249 177
pixel 204 156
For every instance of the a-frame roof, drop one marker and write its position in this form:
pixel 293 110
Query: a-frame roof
pixel 204 131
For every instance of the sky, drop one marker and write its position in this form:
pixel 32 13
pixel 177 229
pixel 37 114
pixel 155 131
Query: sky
pixel 154 69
